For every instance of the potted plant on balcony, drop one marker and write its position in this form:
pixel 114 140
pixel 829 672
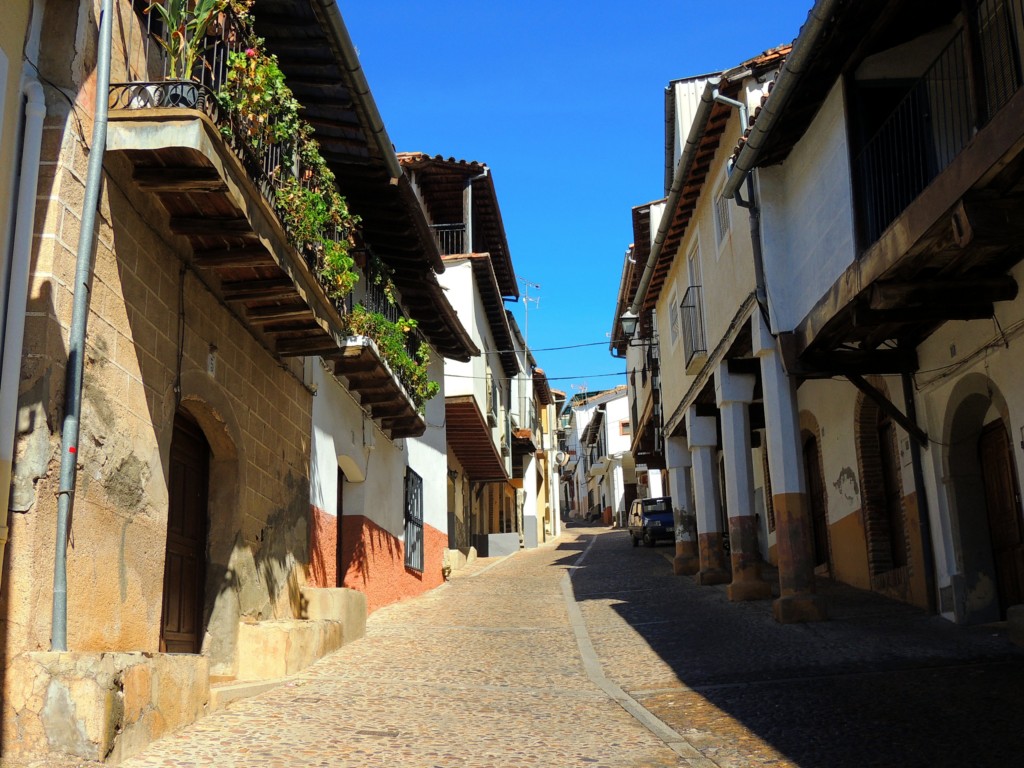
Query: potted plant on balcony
pixel 185 25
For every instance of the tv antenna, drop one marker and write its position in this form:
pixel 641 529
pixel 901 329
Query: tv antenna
pixel 526 306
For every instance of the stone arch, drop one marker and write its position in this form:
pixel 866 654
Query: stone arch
pixel 817 495
pixel 882 497
pixel 974 403
pixel 207 403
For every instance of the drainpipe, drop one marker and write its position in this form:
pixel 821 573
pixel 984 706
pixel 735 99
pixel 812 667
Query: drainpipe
pixel 467 207
pixel 16 291
pixel 689 153
pixel 785 85
pixel 753 214
pixel 76 341
pixel 922 497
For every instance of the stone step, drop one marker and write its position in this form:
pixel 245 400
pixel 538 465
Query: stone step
pixel 223 694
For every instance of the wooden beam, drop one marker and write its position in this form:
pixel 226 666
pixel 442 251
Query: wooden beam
pixel 210 225
pixel 750 366
pixel 251 290
pixel 886 405
pixel 988 222
pixel 292 327
pixel 860 362
pixel 233 257
pixel 897 295
pixel 301 347
pixel 186 179
pixel 864 317
pixel 263 315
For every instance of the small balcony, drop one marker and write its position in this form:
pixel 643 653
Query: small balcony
pixel 695 346
pixel 243 190
pixel 451 238
pixel 935 191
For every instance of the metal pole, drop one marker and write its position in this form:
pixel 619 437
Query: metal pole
pixel 76 342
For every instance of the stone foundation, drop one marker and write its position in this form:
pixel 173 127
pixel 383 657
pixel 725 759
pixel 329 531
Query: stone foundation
pixel 101 706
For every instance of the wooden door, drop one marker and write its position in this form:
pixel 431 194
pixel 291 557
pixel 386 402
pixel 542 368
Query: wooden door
pixel 816 496
pixel 184 570
pixel 892 488
pixel 1002 502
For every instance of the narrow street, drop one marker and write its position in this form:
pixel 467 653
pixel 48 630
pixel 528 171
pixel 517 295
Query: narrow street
pixel 512 664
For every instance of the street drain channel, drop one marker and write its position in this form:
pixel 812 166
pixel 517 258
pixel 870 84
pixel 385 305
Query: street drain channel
pixel 382 734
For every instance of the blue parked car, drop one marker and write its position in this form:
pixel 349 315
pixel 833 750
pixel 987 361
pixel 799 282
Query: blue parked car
pixel 651 520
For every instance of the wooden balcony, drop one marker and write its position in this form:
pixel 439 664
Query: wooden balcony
pixel 380 391
pixel 221 207
pixel 939 192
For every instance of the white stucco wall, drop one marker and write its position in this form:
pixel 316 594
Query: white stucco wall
pixel 342 429
pixel 807 216
pixel 726 276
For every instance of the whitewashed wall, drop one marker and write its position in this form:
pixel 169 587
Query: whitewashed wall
pixel 807 216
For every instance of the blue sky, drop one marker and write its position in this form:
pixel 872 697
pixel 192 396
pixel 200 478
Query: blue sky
pixel 565 102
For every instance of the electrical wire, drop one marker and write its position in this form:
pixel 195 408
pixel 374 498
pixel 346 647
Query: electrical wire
pixel 549 378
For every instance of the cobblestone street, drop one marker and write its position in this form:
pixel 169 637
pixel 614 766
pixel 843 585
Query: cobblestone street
pixel 511 664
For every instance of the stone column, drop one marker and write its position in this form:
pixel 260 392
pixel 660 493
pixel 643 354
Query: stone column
pixel 702 435
pixel 798 601
pixel 687 559
pixel 733 393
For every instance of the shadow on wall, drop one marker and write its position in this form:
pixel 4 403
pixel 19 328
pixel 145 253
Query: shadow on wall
pixel 40 405
pixel 363 544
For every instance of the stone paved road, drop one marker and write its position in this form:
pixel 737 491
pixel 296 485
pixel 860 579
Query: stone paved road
pixel 880 684
pixel 511 664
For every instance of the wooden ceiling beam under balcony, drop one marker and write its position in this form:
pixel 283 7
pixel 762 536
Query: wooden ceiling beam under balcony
pixel 865 317
pixel 258 290
pixel 222 258
pixel 210 226
pixel 895 295
pixel 272 314
pixel 179 180
pixel 305 346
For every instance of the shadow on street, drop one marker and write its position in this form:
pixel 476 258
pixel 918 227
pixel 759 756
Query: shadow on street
pixel 879 684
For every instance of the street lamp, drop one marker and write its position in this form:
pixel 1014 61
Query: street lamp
pixel 629 321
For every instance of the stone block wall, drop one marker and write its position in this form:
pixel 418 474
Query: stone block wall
pixel 158 340
pixel 104 706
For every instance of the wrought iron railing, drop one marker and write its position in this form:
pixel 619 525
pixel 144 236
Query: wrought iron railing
pixel 269 164
pixel 451 238
pixel 375 298
pixel 939 116
pixel 692 313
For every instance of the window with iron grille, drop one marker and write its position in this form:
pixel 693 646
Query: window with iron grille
pixel 413 521
pixel 721 217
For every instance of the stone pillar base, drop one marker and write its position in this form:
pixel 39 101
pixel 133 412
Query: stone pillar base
pixel 687 559
pixel 712 576
pixel 749 589
pixel 800 608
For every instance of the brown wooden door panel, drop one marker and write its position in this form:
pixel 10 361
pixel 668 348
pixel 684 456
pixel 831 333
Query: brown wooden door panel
pixel 816 496
pixel 184 569
pixel 1002 505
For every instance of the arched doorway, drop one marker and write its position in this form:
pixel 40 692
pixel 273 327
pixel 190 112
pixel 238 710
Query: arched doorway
pixel 181 625
pixel 984 495
pixel 817 500
pixel 1002 505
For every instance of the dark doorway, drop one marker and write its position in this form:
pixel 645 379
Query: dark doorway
pixel 181 629
pixel 1002 503
pixel 892 490
pixel 817 500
